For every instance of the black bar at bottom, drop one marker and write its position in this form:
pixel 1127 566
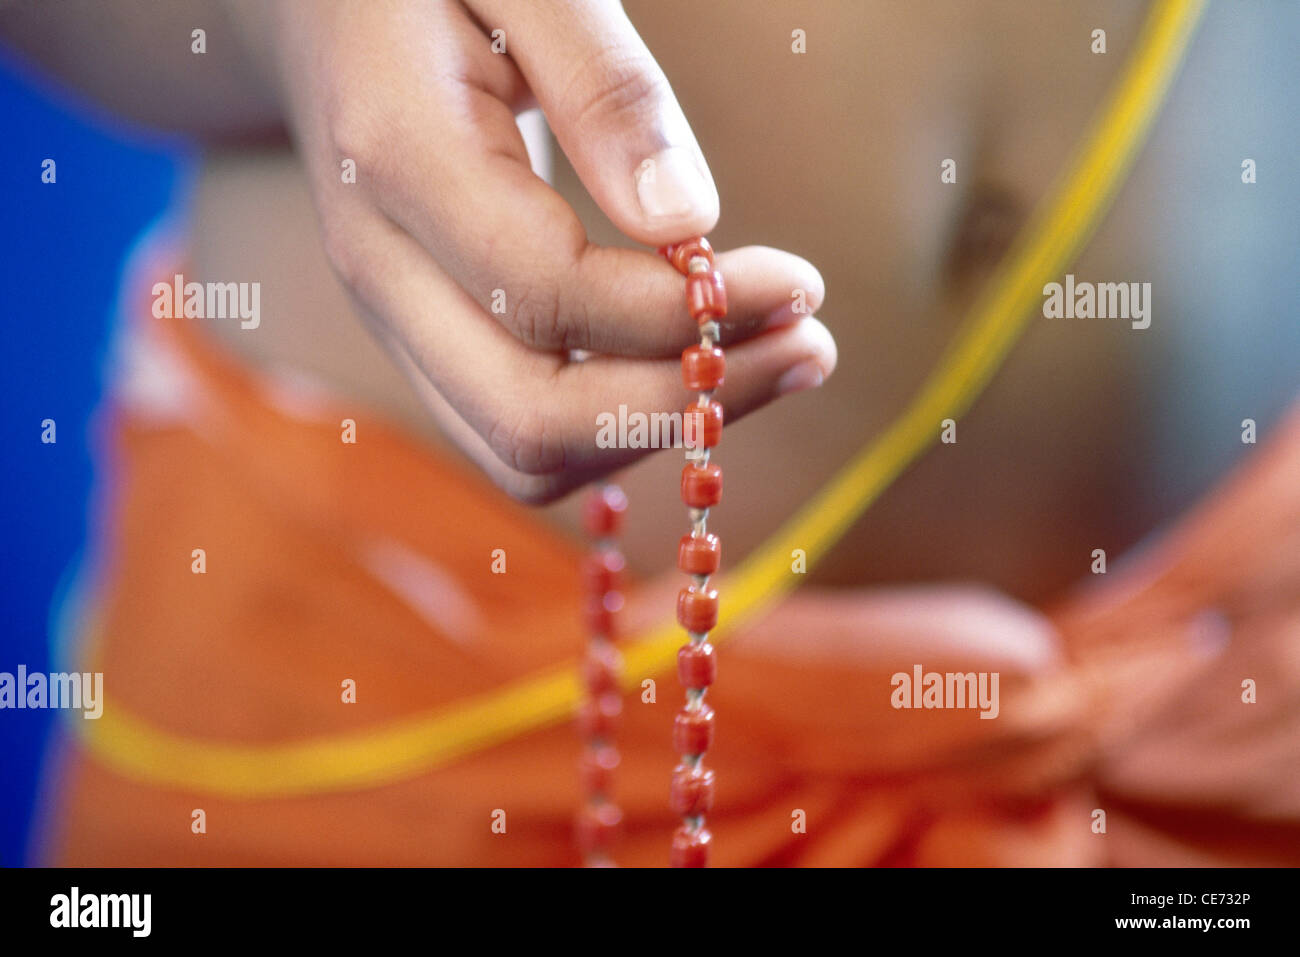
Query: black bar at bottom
pixel 303 906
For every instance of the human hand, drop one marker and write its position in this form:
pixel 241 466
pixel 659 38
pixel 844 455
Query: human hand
pixel 476 274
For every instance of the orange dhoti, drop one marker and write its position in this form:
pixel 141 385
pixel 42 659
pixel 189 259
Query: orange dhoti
pixel 286 621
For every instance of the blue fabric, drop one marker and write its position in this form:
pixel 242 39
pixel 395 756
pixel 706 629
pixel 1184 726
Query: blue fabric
pixel 61 250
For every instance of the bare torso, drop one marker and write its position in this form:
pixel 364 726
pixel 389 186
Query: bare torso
pixel 1092 435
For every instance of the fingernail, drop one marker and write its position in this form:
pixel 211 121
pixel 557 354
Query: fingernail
pixel 670 185
pixel 806 375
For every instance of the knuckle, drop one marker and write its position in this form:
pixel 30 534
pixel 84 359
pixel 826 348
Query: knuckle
pixel 342 251
pixel 536 321
pixel 532 489
pixel 527 489
pixel 616 85
pixel 521 442
pixel 353 131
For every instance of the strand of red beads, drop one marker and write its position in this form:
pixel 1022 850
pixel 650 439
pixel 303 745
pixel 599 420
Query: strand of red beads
pixel 699 552
pixel 600 817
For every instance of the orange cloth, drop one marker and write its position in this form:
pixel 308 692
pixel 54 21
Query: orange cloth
pixel 371 561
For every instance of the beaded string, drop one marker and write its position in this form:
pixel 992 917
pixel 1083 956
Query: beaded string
pixel 602 574
pixel 698 552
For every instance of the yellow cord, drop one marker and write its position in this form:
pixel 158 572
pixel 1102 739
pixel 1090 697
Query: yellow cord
pixel 1060 227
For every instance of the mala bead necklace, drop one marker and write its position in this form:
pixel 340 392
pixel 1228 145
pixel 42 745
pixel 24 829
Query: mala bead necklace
pixel 698 552
pixel 600 817
pixel 698 555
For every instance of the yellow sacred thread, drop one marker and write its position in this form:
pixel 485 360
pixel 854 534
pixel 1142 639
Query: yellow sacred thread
pixel 1060 227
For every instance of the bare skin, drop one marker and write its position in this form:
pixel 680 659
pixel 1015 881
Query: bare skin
pixel 1092 436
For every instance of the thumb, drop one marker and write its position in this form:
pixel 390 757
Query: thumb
pixel 613 113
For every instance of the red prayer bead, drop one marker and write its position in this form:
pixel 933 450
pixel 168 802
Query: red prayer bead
pixel 697 665
pixel 692 790
pixel 600 669
pixel 693 730
pixel 598 717
pixel 597 767
pixel 702 485
pixel 699 556
pixel 602 571
pixel 702 425
pixel 697 611
pixel 703 368
pixel 681 254
pixel 598 826
pixel 602 613
pixel 602 513
pixel 706 296
pixel 691 848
